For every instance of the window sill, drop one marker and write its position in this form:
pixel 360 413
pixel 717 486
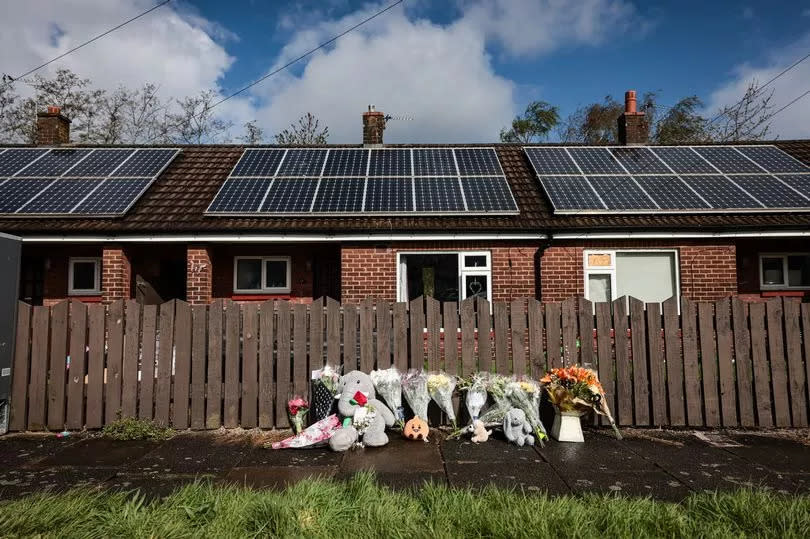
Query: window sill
pixel 785 293
pixel 240 296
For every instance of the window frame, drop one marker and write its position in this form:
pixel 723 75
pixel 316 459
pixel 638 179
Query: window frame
pixel 784 256
pixel 263 278
pixel 611 270
pixel 479 271
pixel 96 291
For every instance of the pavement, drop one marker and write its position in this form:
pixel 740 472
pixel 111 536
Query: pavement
pixel 663 464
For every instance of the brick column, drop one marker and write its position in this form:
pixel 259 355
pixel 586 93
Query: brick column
pixel 199 274
pixel 116 275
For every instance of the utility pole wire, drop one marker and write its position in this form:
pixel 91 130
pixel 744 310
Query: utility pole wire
pixel 789 104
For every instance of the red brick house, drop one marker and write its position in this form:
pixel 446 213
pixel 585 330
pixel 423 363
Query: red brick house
pixel 169 244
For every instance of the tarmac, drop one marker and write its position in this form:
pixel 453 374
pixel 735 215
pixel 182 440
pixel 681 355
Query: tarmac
pixel 662 464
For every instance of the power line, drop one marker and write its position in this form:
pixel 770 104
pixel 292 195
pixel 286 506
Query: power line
pixel 89 41
pixel 789 104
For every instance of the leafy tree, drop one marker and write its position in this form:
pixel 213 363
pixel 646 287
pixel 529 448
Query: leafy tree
pixel 307 131
pixel 253 133
pixel 534 124
pixel 682 124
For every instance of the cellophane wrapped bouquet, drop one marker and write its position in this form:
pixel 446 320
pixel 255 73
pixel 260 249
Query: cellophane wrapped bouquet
pixel 297 409
pixel 325 387
pixel 440 388
pixel 476 394
pixel 414 389
pixel 496 387
pixel 576 389
pixel 525 395
pixel 388 384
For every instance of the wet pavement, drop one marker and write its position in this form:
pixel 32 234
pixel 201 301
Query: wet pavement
pixel 666 465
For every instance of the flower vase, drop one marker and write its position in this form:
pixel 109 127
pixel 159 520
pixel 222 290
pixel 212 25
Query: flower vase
pixel 567 427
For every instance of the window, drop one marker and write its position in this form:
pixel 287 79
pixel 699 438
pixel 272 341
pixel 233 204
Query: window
pixel 84 276
pixel 784 271
pixel 651 276
pixel 445 276
pixel 264 275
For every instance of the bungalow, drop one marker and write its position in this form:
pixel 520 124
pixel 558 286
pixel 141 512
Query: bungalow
pixel 500 221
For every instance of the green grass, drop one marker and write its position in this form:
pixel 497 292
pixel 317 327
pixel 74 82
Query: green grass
pixel 136 429
pixel 360 508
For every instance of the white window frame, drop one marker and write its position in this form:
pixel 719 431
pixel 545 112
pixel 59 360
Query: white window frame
pixel 784 257
pixel 96 291
pixel 611 269
pixel 485 271
pixel 263 289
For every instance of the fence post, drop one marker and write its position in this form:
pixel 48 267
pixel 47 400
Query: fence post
pixel 19 382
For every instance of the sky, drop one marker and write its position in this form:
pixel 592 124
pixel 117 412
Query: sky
pixel 455 70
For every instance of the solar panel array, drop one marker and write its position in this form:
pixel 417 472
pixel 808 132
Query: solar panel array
pixel 676 179
pixel 383 181
pixel 101 182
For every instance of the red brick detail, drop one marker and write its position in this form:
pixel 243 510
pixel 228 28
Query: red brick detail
pixel 116 275
pixel 369 271
pixel 199 275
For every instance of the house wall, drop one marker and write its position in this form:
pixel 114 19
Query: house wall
pixel 371 271
pixel 748 251
pixel 55 259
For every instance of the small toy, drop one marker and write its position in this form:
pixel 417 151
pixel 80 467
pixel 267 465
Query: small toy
pixel 517 428
pixel 416 429
pixel 480 433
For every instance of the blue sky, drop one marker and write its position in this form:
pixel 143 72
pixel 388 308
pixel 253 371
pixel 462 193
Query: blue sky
pixel 460 68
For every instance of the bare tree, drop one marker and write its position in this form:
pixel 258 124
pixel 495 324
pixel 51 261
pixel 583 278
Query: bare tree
pixel 307 131
pixel 749 119
pixel 253 133
pixel 194 121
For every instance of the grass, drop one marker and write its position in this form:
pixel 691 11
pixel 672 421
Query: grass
pixel 362 508
pixel 136 429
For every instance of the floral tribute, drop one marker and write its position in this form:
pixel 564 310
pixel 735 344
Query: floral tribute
pixel 440 388
pixel 325 387
pixel 576 389
pixel 297 409
pixel 415 391
pixel 388 384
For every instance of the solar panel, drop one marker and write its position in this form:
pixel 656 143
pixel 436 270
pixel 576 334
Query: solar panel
pixel 340 195
pixel 438 195
pixel 16 192
pixel 54 163
pixel 727 159
pixel 489 194
pixel 639 161
pixel 621 193
pixel 14 159
pixel 478 162
pixel 551 161
pixel 394 162
pixel 720 192
pixel 434 162
pixel 571 193
pixel 240 195
pixel 389 195
pixel 596 161
pixel 683 160
pixel 799 182
pixel 61 196
pixel 100 163
pixel 114 196
pixel 345 162
pixel 773 159
pixel 146 162
pixel 670 193
pixel 302 162
pixel 258 162
pixel 770 191
pixel 290 195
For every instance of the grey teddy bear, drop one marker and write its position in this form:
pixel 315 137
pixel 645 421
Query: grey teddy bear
pixel 374 435
pixel 517 428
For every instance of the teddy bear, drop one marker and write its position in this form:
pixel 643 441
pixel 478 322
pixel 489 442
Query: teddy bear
pixel 364 416
pixel 480 433
pixel 416 429
pixel 517 428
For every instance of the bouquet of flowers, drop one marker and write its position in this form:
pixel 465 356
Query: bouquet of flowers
pixel 414 388
pixel 388 384
pixel 525 395
pixel 476 398
pixel 325 386
pixel 496 387
pixel 297 409
pixel 312 436
pixel 575 389
pixel 440 388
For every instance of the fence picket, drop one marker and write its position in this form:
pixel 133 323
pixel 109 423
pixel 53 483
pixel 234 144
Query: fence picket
pixel 708 364
pixel 384 352
pixel 674 360
pixel 691 367
pixel 553 335
pixel 450 318
pixel 250 365
pixel 57 366
pixel 537 360
pixel 39 367
pixel 776 351
pixel 350 318
pixel 658 373
pixel 570 332
pixel 416 314
pixel 468 363
pixel 213 388
pixel 641 376
pixel 333 317
pixel 182 365
pixel 517 320
pixel 484 324
pixel 283 362
pixel 604 350
pixel 267 386
pixel 805 308
pixel 585 311
pixel 115 351
pixel 433 336
pixel 78 346
pixel 198 344
pixel 401 336
pixel 793 347
pixel 742 361
pixel 94 412
pixel 501 312
pixel 367 335
pixel 163 385
pixel 19 376
pixel 725 365
pixel 300 364
pixel 624 373
pixel 129 368
pixel 761 370
pixel 146 397
pixel 316 340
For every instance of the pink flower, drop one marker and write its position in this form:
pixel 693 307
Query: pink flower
pixel 297 403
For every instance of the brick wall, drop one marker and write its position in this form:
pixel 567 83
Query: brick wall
pixel 371 271
pixel 199 275
pixel 116 274
pixel 708 270
pixel 52 128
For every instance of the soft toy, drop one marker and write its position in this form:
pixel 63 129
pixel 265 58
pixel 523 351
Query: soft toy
pixel 480 433
pixel 364 416
pixel 416 429
pixel 517 428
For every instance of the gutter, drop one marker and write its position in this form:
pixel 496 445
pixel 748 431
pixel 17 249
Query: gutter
pixel 675 235
pixel 279 238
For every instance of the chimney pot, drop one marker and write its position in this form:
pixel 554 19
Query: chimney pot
pixel 54 110
pixel 633 125
pixel 373 127
pixel 630 101
pixel 53 128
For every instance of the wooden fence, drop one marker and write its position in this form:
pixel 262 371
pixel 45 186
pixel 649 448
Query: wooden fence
pixel 726 363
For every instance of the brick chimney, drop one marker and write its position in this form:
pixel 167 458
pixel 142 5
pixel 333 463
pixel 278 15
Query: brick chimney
pixel 53 127
pixel 633 125
pixel 373 127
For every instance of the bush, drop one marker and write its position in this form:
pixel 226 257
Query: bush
pixel 136 429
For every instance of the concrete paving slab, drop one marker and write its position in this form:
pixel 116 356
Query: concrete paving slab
pixel 654 483
pixel 776 453
pixel 100 452
pixel 18 450
pixel 316 456
pixel 21 482
pixel 399 456
pixel 537 477
pixel 493 450
pixel 276 477
pixel 193 453
pixel 599 453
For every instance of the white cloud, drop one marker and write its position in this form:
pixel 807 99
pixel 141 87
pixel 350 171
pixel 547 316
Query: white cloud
pixel 793 122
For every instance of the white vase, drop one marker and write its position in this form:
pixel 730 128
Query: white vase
pixel 567 427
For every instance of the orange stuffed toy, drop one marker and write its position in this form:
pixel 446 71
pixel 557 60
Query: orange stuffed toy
pixel 416 429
